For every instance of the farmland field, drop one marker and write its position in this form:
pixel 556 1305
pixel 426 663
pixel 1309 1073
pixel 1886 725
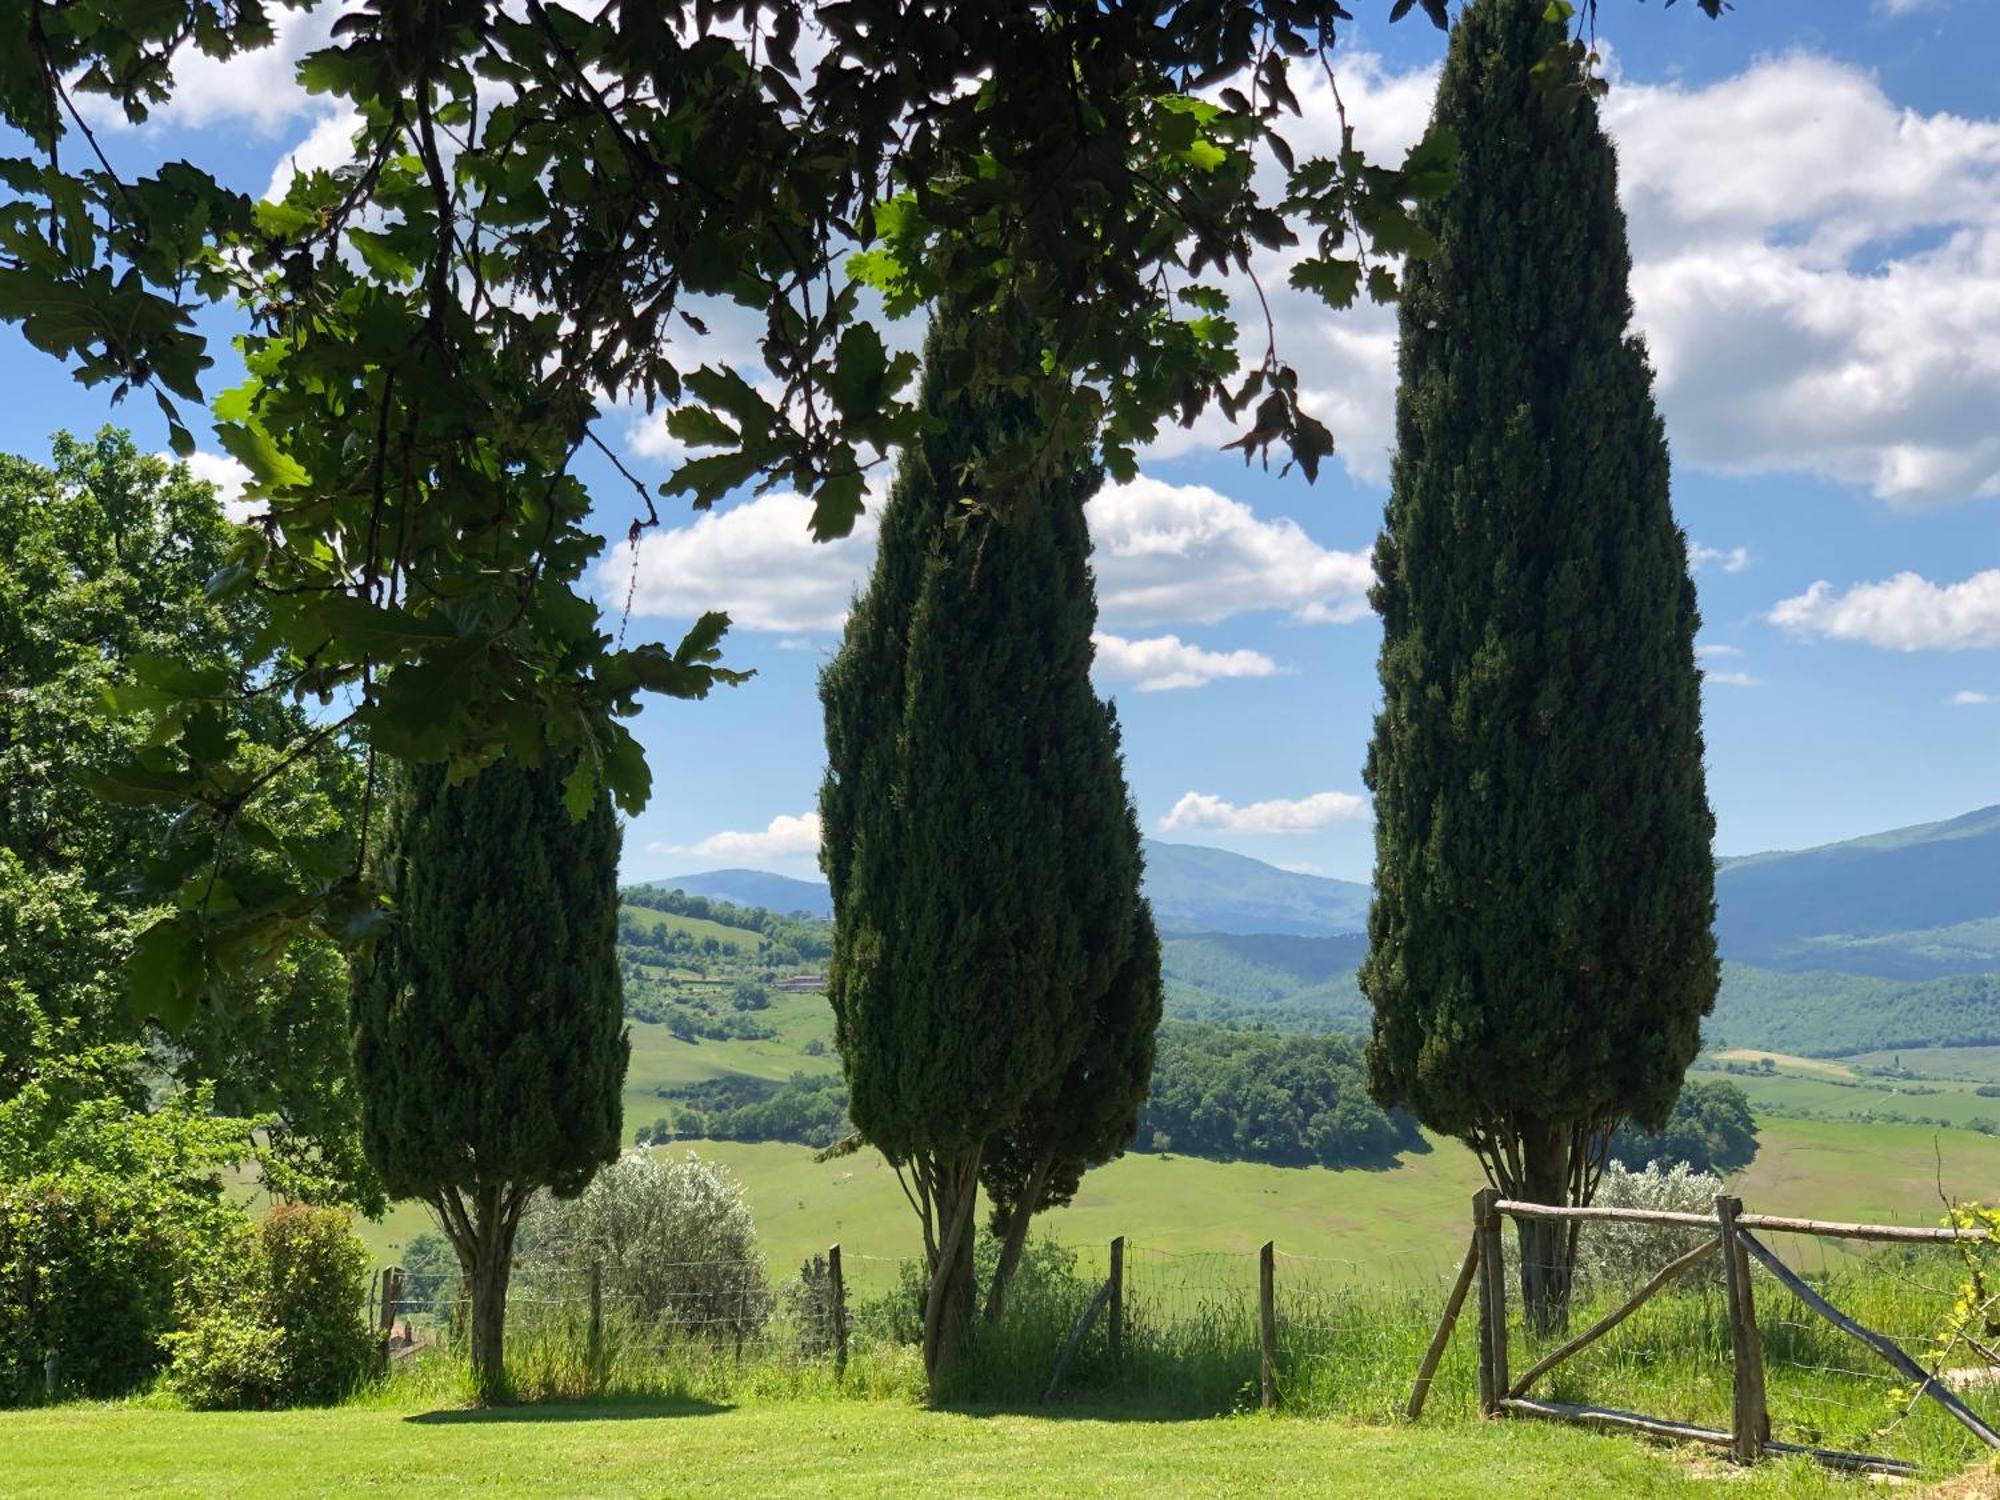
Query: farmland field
pixel 682 1447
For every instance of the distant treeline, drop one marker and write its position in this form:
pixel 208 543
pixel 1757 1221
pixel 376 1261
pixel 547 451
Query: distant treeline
pixel 1711 1129
pixel 1238 1095
pixel 792 939
pixel 1838 1015
pixel 806 1109
pixel 1217 1093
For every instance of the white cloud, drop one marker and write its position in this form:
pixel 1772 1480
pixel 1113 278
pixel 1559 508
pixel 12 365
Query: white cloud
pixel 329 144
pixel 1732 679
pixel 1176 552
pixel 1904 613
pixel 1968 698
pixel 1164 553
pixel 258 89
pixel 783 837
pixel 1716 648
pixel 1817 271
pixel 1202 810
pixel 1163 663
pixel 228 476
pixel 757 560
pixel 1729 560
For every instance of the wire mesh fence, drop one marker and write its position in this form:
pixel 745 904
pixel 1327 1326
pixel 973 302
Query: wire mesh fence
pixel 1195 1331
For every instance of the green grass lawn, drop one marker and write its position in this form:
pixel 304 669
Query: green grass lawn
pixel 735 939
pixel 1863 1097
pixel 828 1448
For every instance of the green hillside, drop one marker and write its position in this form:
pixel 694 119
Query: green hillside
pixel 1912 903
pixel 1196 889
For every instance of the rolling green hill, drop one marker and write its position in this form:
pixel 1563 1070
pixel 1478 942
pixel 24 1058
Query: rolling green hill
pixel 1913 903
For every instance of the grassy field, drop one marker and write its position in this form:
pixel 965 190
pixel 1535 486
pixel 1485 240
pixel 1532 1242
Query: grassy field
pixel 1864 1097
pixel 735 939
pixel 1979 1064
pixel 673 1447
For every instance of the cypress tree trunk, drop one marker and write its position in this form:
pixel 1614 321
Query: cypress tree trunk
pixel 1547 1248
pixel 948 1306
pixel 1017 1234
pixel 483 1236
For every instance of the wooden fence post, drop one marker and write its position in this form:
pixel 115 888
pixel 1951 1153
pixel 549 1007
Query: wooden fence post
pixel 837 1289
pixel 1267 1319
pixel 1747 1417
pixel 392 1295
pixel 1492 1301
pixel 597 1324
pixel 1116 1326
pixel 374 1282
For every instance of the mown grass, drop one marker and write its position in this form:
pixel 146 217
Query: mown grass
pixel 666 1446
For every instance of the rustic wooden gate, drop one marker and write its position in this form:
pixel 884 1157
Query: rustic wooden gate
pixel 1749 1437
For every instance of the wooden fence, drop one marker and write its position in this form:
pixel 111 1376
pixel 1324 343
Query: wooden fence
pixel 1735 1240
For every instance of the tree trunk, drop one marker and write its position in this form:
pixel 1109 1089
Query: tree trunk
pixel 482 1232
pixel 948 1307
pixel 1017 1236
pixel 1548 1249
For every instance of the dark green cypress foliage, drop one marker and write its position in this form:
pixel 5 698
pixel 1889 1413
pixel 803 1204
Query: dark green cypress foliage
pixel 970 765
pixel 1541 954
pixel 489 1034
pixel 1038 1163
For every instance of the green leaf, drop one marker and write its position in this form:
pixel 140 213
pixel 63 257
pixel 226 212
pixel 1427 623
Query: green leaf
pixel 271 468
pixel 699 427
pixel 380 254
pixel 859 366
pixel 163 973
pixel 1335 281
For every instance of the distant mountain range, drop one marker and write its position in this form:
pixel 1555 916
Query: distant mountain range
pixel 1888 940
pixel 1193 889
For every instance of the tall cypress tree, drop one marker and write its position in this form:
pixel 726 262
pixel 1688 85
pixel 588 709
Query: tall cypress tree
pixel 489 1033
pixel 969 760
pixel 1092 1113
pixel 1541 954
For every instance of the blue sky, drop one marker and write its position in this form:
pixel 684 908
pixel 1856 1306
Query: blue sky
pixel 1815 202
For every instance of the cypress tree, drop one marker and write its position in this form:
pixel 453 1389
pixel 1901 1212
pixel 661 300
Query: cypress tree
pixel 1090 1117
pixel 969 763
pixel 1541 954
pixel 489 1034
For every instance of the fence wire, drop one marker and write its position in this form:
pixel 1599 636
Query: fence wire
pixel 1349 1332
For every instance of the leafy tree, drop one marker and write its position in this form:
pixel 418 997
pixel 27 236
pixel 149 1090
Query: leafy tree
pixel 968 755
pixel 540 203
pixel 489 1043
pixel 1540 948
pixel 1091 1115
pixel 1711 1129
pixel 103 597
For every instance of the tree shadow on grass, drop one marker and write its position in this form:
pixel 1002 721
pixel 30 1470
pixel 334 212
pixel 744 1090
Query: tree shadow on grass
pixel 583 1409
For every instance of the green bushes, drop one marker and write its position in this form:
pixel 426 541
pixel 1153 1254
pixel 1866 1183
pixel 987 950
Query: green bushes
pixel 106 1213
pixel 283 1326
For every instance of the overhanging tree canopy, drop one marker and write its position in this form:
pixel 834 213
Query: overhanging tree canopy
pixel 1540 947
pixel 538 201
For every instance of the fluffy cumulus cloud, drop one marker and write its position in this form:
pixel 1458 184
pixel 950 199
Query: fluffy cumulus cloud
pixel 1816 271
pixel 1164 553
pixel 228 476
pixel 1208 813
pixel 1162 663
pixel 1972 697
pixel 784 837
pixel 756 560
pixel 1174 552
pixel 1905 613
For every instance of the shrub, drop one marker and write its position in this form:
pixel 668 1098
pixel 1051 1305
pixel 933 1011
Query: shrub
pixel 675 1240
pixel 106 1213
pixel 287 1328
pixel 1627 1254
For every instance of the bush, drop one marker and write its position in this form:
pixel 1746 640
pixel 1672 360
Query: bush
pixel 287 1329
pixel 106 1214
pixel 674 1238
pixel 1625 1254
